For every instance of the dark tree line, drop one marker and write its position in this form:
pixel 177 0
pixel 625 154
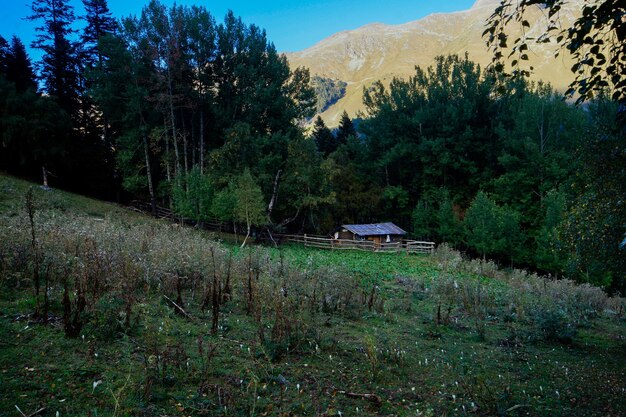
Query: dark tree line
pixel 206 118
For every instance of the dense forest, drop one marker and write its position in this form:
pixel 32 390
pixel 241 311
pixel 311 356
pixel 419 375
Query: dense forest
pixel 208 119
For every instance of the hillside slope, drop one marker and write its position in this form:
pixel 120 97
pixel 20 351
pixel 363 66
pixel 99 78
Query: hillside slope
pixel 381 52
pixel 282 331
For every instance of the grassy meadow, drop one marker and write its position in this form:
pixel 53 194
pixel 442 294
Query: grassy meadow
pixel 135 316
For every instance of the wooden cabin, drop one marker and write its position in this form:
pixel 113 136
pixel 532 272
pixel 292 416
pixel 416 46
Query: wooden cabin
pixel 378 233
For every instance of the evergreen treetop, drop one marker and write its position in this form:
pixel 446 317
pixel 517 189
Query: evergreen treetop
pixel 346 128
pixel 59 64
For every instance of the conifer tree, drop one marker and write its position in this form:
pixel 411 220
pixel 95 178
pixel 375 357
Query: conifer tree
pixel 324 139
pixel 95 121
pixel 59 62
pixel 423 219
pixel 19 68
pixel 346 128
pixel 201 38
pixel 4 52
pixel 547 255
pixel 448 226
pixel 100 22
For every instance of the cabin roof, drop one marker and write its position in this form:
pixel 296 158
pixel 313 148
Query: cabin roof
pixel 374 229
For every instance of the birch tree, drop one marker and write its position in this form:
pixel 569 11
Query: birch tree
pixel 250 206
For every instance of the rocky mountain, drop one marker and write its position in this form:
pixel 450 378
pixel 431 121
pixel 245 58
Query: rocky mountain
pixel 380 52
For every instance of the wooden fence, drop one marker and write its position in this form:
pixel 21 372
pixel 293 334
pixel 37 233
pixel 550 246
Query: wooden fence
pixel 167 214
pixel 310 241
pixel 159 212
pixel 324 242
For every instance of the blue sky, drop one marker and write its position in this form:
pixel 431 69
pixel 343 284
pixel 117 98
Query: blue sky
pixel 291 25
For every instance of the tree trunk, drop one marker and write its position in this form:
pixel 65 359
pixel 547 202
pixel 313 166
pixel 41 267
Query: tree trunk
pixel 46 301
pixel 185 148
pixel 173 121
pixel 250 299
pixel 247 234
pixel 168 172
pixel 193 142
pixel 201 141
pixel 149 175
pixel 45 178
pixel 30 209
pixel 270 207
pixel 216 296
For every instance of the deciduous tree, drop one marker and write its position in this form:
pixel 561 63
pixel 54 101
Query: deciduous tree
pixel 250 206
pixel 596 40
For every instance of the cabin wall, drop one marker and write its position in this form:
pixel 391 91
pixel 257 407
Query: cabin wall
pixel 346 235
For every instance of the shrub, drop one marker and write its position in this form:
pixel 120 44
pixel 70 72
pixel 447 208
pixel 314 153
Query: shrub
pixel 447 258
pixel 108 318
pixel 554 324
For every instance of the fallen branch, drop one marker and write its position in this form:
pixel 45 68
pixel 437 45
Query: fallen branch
pixel 178 307
pixel 373 398
pixel 515 407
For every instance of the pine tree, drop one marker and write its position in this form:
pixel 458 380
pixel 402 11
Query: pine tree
pixel 346 128
pixel 201 38
pixel 95 121
pixel 120 90
pixel 302 94
pixel 547 255
pixel 59 63
pixel 448 226
pixel 324 139
pixel 510 242
pixel 100 22
pixel 423 220
pixel 19 68
pixel 4 52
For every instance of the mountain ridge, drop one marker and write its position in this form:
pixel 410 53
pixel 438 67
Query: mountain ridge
pixel 379 51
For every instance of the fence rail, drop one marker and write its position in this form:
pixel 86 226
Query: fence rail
pixel 322 242
pixel 167 214
pixel 309 241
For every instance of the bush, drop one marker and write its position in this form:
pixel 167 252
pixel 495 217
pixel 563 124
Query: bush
pixel 107 319
pixel 554 324
pixel 554 309
pixel 447 258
